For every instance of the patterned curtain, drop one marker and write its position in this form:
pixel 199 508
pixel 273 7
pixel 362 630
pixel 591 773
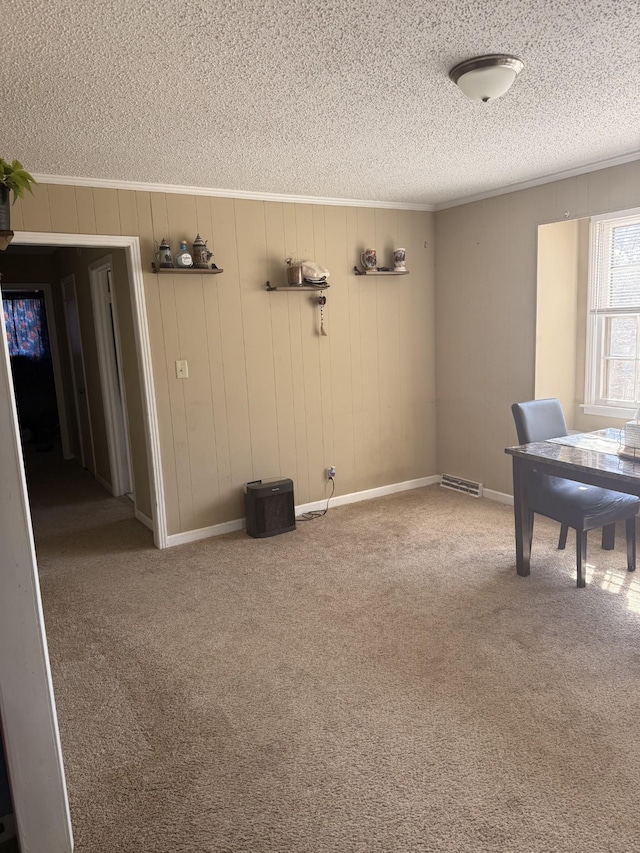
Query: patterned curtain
pixel 26 328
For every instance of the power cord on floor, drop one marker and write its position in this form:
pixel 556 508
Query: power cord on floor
pixel 318 513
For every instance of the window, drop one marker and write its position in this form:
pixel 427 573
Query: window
pixel 25 327
pixel 613 336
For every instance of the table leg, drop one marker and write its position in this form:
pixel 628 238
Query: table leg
pixel 522 518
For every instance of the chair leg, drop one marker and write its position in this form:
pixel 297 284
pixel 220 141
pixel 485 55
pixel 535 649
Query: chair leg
pixel 631 543
pixel 581 555
pixel 608 537
pixel 562 541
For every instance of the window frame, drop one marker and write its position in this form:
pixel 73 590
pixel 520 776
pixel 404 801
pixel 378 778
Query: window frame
pixel 594 403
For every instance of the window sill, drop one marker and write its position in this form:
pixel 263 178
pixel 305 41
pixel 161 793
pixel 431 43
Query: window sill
pixel 609 411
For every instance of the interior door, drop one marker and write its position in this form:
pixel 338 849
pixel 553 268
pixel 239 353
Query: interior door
pixel 111 378
pixel 74 339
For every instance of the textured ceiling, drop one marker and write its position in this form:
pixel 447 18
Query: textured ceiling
pixel 341 99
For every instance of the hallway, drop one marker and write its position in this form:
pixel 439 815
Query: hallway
pixel 73 514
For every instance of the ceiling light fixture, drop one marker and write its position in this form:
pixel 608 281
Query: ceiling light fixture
pixel 484 78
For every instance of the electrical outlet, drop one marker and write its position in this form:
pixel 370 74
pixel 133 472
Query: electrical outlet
pixel 182 370
pixel 331 472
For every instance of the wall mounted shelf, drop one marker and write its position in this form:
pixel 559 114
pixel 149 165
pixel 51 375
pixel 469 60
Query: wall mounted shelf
pixel 358 271
pixel 191 270
pixel 292 287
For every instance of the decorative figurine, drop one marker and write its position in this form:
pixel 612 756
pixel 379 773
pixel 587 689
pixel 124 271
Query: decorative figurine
pixel 294 272
pixel 369 259
pixel 399 260
pixel 165 260
pixel 201 255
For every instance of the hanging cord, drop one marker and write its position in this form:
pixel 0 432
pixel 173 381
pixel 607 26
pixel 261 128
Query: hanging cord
pixel 318 513
pixel 322 301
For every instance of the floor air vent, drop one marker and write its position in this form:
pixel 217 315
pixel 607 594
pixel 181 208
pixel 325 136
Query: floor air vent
pixel 457 484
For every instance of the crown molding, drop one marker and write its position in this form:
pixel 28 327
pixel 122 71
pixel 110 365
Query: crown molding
pixel 140 186
pixel 536 182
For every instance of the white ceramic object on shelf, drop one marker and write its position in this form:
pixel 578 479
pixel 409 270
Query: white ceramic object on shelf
pixel 399 260
pixel 369 259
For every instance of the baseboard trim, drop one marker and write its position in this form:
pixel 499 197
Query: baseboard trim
pixel 104 483
pixel 499 497
pixel 368 494
pixel 204 532
pixel 339 500
pixel 144 519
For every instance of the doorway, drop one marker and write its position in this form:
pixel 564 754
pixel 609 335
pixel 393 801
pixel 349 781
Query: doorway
pixel 134 339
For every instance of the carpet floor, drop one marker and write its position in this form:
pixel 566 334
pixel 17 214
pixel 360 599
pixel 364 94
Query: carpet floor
pixel 377 680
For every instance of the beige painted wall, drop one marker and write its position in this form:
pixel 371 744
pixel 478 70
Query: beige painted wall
pixel 486 310
pixel 266 395
pixel 557 315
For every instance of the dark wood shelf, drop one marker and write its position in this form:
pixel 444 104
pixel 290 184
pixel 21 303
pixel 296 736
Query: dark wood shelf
pixel 292 287
pixel 188 270
pixel 358 271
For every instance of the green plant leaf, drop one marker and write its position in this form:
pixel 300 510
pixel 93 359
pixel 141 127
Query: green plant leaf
pixel 15 178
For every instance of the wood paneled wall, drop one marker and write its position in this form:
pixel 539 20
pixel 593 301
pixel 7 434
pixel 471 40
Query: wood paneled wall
pixel 486 312
pixel 267 395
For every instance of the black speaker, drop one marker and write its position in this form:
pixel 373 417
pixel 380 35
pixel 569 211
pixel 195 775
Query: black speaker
pixel 269 508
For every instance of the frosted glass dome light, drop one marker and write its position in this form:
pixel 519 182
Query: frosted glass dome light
pixel 485 78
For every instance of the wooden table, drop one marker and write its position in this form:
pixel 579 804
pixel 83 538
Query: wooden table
pixel 588 457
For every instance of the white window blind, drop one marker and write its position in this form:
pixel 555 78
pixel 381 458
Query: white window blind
pixel 617 265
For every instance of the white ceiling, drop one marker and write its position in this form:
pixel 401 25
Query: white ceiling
pixel 338 99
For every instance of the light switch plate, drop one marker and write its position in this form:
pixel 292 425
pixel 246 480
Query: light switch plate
pixel 182 370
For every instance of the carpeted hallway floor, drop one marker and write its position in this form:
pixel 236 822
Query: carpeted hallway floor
pixel 378 680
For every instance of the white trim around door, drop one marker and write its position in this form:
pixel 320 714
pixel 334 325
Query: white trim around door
pixel 131 245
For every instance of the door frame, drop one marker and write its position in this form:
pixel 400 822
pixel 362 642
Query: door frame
pixel 111 379
pixel 52 329
pixel 131 246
